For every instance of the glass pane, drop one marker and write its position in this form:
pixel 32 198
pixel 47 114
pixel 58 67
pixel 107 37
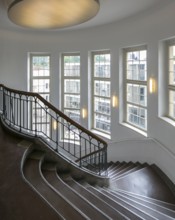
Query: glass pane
pixel 102 106
pixel 72 101
pixel 41 85
pixel 70 131
pixel 137 94
pixel 136 65
pixel 172 52
pixel 71 65
pixel 71 86
pixel 137 116
pixel 102 88
pixel 172 65
pixel 40 115
pixel 102 65
pixel 46 96
pixel 41 65
pixel 172 104
pixel 102 122
pixel 73 114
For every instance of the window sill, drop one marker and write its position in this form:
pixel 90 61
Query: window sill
pixel 103 135
pixel 168 120
pixel 135 129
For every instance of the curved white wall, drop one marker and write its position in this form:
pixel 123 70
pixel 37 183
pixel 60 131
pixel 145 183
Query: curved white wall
pixel 147 28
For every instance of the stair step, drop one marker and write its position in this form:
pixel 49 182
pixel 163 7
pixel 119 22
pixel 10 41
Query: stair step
pixel 117 168
pixel 36 154
pixel 49 166
pixel 127 211
pixel 123 168
pixel 113 166
pixel 63 207
pixel 138 167
pixel 159 208
pixel 100 204
pixel 160 203
pixel 76 199
pixel 142 207
pixel 143 182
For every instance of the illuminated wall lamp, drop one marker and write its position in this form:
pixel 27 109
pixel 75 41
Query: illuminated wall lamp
pixel 114 101
pixel 152 85
pixel 84 113
pixel 55 125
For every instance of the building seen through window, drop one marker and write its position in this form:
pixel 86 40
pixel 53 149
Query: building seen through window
pixel 171 84
pixel 71 90
pixel 136 88
pixel 101 92
pixel 40 83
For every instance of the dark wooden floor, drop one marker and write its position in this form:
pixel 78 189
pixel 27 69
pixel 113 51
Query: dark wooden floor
pixel 17 200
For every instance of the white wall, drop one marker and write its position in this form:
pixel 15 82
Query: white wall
pixel 146 28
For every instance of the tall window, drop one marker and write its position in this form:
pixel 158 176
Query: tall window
pixel 136 87
pixel 40 83
pixel 171 84
pixel 101 92
pixel 71 86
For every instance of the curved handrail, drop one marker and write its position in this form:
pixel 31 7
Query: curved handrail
pixel 56 111
pixel 81 144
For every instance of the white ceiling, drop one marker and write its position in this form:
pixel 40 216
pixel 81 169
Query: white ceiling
pixel 110 11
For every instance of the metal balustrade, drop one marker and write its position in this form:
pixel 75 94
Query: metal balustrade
pixel 30 114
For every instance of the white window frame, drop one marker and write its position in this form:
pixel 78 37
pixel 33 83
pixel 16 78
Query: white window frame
pixel 93 96
pixel 72 78
pixel 32 78
pixel 135 83
pixel 170 87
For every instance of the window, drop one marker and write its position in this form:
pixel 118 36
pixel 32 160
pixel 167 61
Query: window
pixel 71 87
pixel 40 83
pixel 136 87
pixel 171 83
pixel 101 92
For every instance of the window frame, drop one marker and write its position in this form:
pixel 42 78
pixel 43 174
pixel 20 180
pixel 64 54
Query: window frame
pixel 31 85
pixel 105 79
pixel 63 78
pixel 170 87
pixel 134 82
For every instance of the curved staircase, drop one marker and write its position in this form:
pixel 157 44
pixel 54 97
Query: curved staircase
pixel 133 191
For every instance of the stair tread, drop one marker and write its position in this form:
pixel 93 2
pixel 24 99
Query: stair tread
pixel 101 204
pixel 149 210
pixel 150 204
pixel 36 154
pixel 143 182
pixel 164 204
pixel 32 174
pixel 74 198
pixel 138 167
pixel 117 205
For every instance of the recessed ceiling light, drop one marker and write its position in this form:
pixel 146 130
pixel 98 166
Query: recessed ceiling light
pixel 46 14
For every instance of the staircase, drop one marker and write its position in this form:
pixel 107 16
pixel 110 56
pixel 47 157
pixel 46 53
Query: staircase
pixel 133 190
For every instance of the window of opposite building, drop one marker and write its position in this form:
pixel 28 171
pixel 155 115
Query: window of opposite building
pixel 136 87
pixel 101 91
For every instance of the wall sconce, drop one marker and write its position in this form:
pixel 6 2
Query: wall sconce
pixel 55 125
pixel 152 85
pixel 84 113
pixel 114 101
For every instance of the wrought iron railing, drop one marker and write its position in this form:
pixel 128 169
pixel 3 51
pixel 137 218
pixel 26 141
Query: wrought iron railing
pixel 30 114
